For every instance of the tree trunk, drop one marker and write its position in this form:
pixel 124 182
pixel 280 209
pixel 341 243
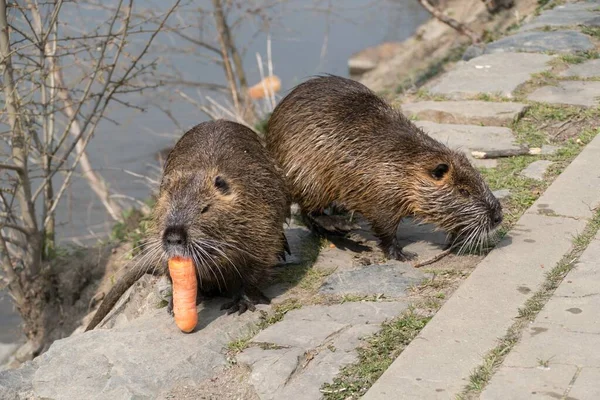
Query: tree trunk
pixel 28 299
pixel 243 104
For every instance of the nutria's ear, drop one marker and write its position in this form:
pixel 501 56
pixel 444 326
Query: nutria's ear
pixel 440 171
pixel 222 185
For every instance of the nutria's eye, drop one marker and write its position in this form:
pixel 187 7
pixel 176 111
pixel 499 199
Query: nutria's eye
pixel 440 171
pixel 221 184
pixel 464 192
pixel 205 209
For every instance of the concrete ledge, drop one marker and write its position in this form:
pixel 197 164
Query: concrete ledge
pixel 437 364
pixel 576 192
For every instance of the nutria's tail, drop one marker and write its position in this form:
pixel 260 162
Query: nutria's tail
pixel 116 292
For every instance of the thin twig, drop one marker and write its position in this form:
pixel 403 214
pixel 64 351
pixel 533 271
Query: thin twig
pixel 451 22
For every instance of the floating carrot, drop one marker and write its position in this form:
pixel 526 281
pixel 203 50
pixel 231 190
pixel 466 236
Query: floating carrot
pixel 185 287
pixel 271 84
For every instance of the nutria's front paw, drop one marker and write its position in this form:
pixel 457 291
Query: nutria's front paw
pixel 241 303
pixel 170 306
pixel 396 253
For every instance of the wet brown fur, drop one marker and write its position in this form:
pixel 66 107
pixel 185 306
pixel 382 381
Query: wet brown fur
pixel 339 142
pixel 243 218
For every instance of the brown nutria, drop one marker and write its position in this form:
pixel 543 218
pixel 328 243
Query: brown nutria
pixel 338 142
pixel 222 202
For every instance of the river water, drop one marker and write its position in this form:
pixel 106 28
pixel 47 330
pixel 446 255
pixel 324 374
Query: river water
pixel 306 40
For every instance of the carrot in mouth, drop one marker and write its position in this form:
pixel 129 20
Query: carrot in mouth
pixel 185 288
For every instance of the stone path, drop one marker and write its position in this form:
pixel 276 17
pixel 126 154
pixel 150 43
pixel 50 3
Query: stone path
pixel 492 74
pixel 557 356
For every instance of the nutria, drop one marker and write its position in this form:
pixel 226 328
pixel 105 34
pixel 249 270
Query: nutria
pixel 338 142
pixel 222 202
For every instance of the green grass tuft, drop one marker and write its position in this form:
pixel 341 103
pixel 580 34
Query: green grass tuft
pixel 378 353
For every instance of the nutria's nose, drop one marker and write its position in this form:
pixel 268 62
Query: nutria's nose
pixel 174 236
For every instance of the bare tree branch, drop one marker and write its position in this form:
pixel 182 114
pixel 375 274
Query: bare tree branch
pixel 451 22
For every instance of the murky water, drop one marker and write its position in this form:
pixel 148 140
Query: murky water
pixel 306 41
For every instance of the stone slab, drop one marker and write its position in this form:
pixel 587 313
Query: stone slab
pixel 566 15
pixel 543 383
pixel 325 365
pixel 575 192
pixel 548 149
pixel 501 194
pixel 588 69
pixel 492 74
pixel 584 280
pixel 470 112
pixel 587 385
pixel 471 137
pixel 558 344
pixel 311 326
pixel 319 341
pixel 390 280
pixel 541 42
pixel 575 93
pixel 437 364
pixel 537 169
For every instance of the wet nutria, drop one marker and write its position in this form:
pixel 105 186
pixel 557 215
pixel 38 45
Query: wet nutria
pixel 338 142
pixel 222 202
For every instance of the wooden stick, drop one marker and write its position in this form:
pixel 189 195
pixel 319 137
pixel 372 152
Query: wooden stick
pixel 434 259
pixel 523 151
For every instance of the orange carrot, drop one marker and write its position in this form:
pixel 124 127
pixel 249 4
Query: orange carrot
pixel 185 287
pixel 262 88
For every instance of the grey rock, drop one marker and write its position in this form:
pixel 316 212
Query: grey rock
pixel 140 359
pixel 540 42
pixel 6 350
pixel 501 194
pixel 357 66
pixel 16 384
pixel 471 137
pixel 473 51
pixel 389 280
pixel 569 92
pixel 492 74
pixel 271 369
pixel 298 238
pixel 588 69
pixel 466 112
pixel 310 327
pixel 566 15
pixel 537 169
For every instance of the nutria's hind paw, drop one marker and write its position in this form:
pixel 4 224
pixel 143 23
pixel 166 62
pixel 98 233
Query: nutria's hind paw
pixel 397 253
